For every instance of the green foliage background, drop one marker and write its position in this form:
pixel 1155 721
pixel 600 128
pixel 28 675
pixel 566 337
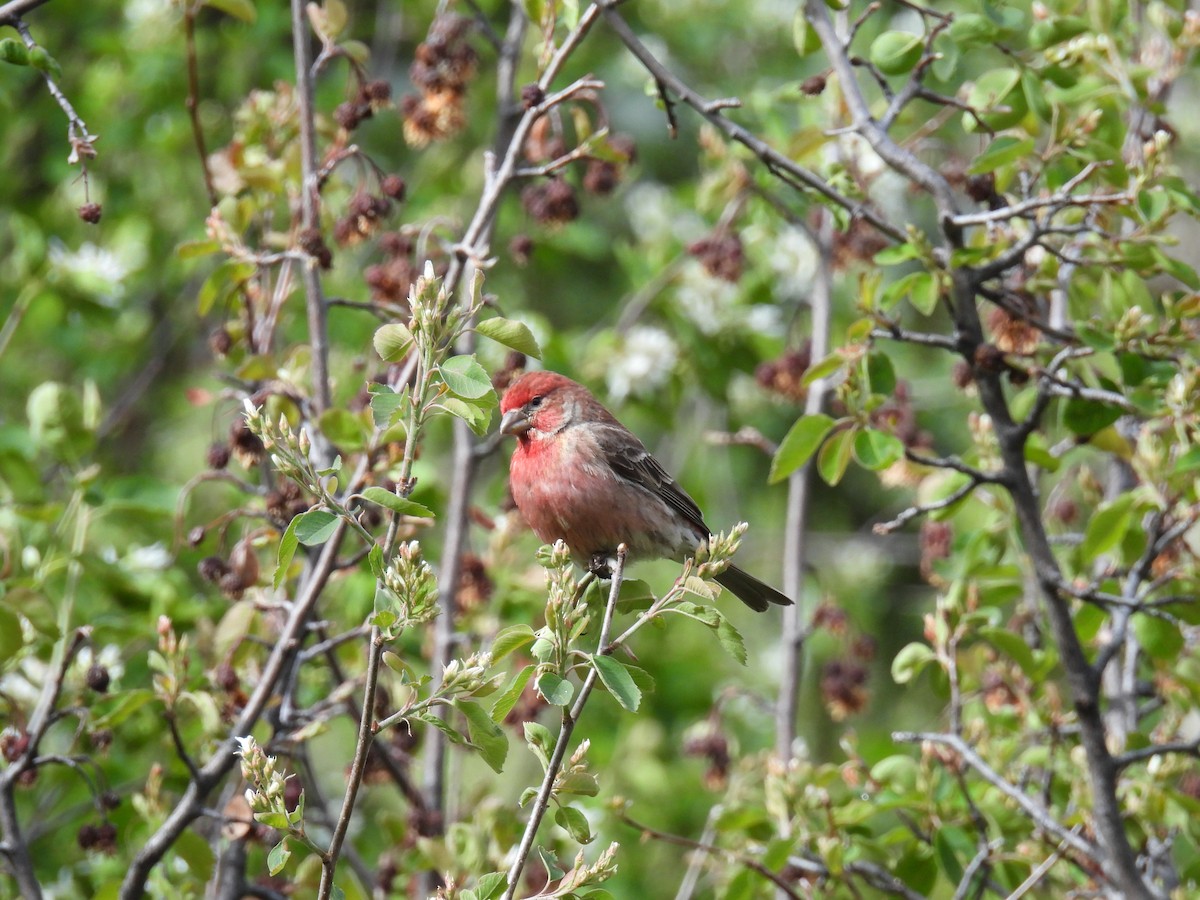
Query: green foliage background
pixel 91 473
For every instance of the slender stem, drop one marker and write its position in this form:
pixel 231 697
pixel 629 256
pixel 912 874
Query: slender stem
pixel 309 208
pixel 357 767
pixel 12 11
pixel 193 99
pixel 799 495
pixel 542 803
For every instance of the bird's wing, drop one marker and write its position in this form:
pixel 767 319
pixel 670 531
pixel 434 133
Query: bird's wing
pixel 634 463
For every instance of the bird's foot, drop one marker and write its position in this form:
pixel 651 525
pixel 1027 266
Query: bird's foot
pixel 601 564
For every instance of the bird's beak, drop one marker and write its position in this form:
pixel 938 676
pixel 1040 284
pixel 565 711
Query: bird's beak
pixel 514 422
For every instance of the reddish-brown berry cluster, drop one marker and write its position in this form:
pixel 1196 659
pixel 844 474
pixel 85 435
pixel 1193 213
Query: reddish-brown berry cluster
pixel 937 539
pixel 98 678
pixel 311 242
pixel 391 279
pixel 721 254
pixel 100 838
pixel 843 687
pixel 90 213
pixel 475 585
pixel 246 445
pixel 286 502
pixel 444 65
pixel 710 744
pixel 550 202
pixel 362 218
pixel 372 96
pixel 785 376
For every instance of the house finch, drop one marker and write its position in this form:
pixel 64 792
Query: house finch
pixel 580 475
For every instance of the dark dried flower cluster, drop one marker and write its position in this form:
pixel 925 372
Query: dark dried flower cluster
pixel 784 376
pixel 514 366
pixel 218 455
pixel 899 417
pixel 90 212
pixel 98 678
pixel 520 249
pixel 843 688
pixel 550 202
pixel 101 838
pixel 814 84
pixel 286 502
pixel 1012 334
pixel 247 446
pixel 982 189
pixel 220 342
pixel 858 243
pixel 362 218
pixel 710 743
pixel 445 64
pixel 311 242
pixel 475 585
pixel 937 539
pixel 721 254
pixel 234 575
pixel 391 279
pixel 372 97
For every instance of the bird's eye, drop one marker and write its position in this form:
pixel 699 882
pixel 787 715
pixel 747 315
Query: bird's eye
pixel 535 402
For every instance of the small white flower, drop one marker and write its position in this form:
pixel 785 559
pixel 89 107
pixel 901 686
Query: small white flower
pixel 93 269
pixel 154 558
pixel 655 216
pixel 643 363
pixel 794 261
pixel 709 302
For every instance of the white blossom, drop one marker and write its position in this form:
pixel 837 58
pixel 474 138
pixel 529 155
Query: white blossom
pixel 642 363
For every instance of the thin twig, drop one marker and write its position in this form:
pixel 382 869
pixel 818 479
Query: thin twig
pixel 1039 814
pixel 314 299
pixel 357 767
pixel 569 719
pixel 193 98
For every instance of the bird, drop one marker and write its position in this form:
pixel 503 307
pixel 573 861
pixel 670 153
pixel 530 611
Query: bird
pixel 580 476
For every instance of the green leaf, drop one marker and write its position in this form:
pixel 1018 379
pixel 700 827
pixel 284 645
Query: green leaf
pixel 823 369
pixel 512 638
pixel 194 249
pixel 909 662
pixel 1106 528
pixel 835 455
pixel 396 503
pixel 197 853
pixel 799 444
pixel 583 784
pixel 392 341
pixel 804 37
pixel 731 639
pixel 894 255
pixel 540 741
pixel 881 376
pixel 11 639
pixel 278 857
pixel 618 681
pixel 1000 152
pixel 315 526
pixel 923 293
pixel 556 691
pixel 491 886
pixel 1012 645
pixel 574 822
pixel 507 698
pixel 239 9
pixel 896 52
pixel 514 335
pixel 1086 417
pixel 478 418
pixel 1187 462
pixel 876 450
pixel 14 52
pixel 955 848
pixel 221 284
pixel 465 377
pixel 1160 638
pixel 485 734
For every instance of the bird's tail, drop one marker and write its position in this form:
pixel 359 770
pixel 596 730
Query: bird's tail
pixel 754 593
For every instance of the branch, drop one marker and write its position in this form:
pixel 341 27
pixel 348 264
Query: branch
pixel 314 299
pixel 193 98
pixel 1039 814
pixel 569 719
pixel 740 858
pixel 80 138
pixel 357 767
pixel 798 504
pixel 777 163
